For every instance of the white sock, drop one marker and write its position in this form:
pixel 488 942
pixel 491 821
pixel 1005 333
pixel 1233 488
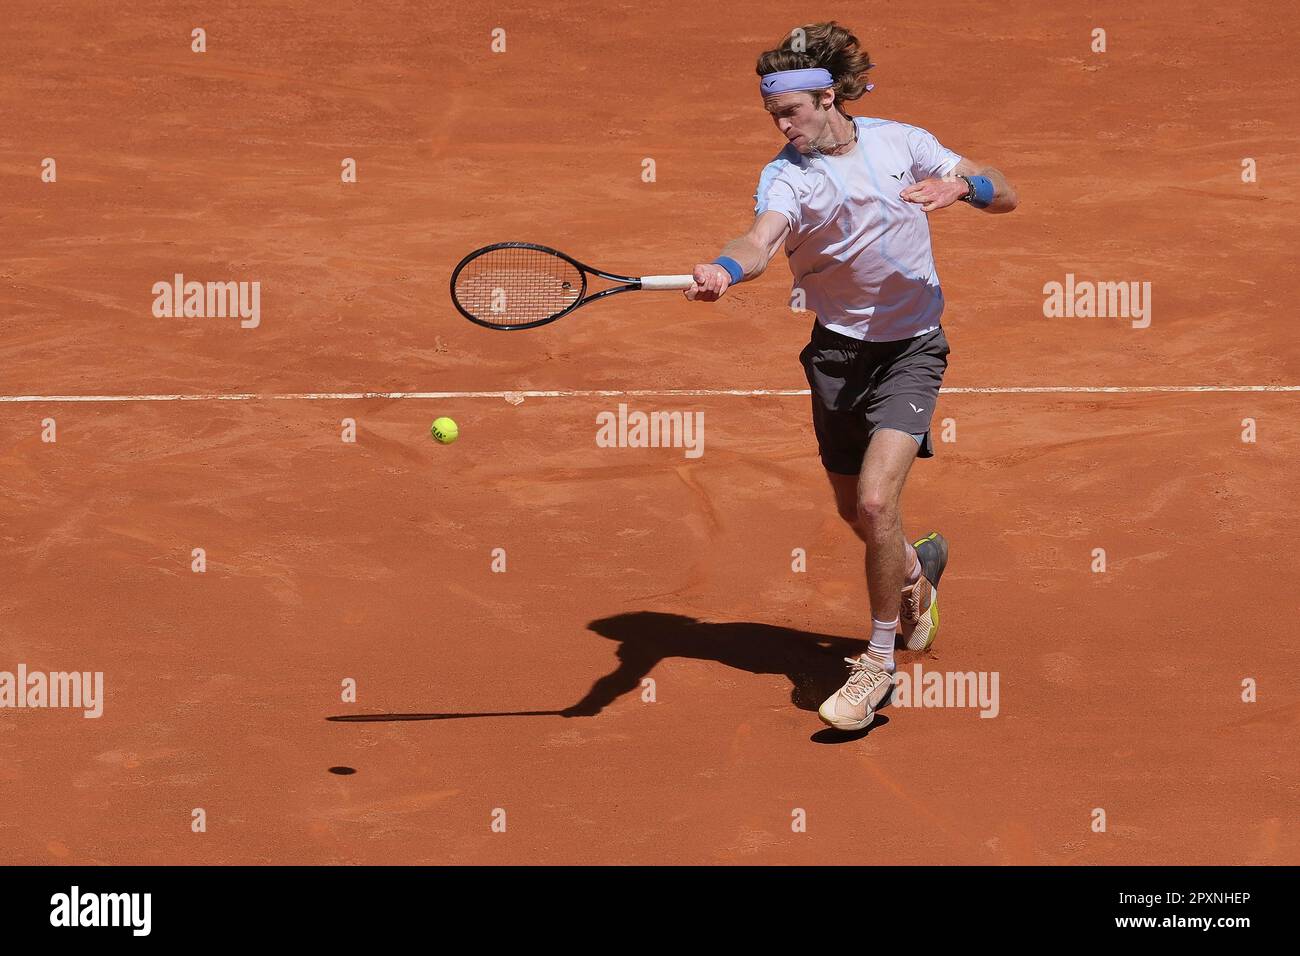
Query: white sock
pixel 914 575
pixel 881 650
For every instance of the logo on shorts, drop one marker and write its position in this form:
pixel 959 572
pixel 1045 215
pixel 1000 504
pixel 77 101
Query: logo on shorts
pixel 898 176
pixel 915 409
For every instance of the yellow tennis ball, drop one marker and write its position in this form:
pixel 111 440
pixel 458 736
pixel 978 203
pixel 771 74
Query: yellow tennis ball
pixel 444 430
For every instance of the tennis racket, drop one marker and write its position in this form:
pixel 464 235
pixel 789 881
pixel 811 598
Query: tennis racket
pixel 521 285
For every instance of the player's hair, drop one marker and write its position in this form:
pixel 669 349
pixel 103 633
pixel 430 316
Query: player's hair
pixel 827 45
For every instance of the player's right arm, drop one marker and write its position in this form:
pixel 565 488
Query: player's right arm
pixel 752 252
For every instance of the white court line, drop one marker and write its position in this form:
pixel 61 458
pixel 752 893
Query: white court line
pixel 618 393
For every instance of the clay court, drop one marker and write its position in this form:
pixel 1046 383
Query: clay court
pixel 371 560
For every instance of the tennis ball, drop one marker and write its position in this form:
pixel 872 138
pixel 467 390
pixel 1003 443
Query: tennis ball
pixel 444 430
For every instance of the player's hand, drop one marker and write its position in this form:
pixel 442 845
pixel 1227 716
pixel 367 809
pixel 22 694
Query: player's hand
pixel 932 194
pixel 711 281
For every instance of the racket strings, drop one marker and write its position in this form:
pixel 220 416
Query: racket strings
pixel 517 286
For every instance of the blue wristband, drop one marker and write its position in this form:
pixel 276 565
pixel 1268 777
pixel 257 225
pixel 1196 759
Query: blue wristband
pixel 732 267
pixel 984 191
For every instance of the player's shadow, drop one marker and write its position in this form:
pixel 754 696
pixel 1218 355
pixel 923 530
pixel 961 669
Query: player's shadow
pixel 813 663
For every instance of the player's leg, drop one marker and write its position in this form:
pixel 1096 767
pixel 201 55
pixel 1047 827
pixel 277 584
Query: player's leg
pixel 845 488
pixel 869 503
pixel 885 468
pixel 904 398
pixel 903 385
pixel 839 371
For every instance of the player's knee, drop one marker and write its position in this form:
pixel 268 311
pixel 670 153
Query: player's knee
pixel 875 508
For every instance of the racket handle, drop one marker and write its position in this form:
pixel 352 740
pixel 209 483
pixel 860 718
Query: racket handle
pixel 667 282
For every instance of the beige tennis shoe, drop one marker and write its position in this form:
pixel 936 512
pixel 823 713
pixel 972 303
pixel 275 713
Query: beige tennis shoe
pixel 918 617
pixel 853 706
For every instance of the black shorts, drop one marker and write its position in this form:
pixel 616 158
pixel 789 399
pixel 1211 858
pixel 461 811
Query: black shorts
pixel 859 386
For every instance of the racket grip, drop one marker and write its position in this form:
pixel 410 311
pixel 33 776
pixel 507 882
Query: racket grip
pixel 667 282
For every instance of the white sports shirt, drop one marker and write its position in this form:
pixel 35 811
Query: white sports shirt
pixel 862 255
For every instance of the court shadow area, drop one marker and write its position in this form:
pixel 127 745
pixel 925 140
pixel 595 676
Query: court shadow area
pixel 828 735
pixel 812 662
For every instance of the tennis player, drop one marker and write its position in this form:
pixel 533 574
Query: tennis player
pixel 848 199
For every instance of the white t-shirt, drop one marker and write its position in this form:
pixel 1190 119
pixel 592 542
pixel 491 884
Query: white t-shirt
pixel 862 255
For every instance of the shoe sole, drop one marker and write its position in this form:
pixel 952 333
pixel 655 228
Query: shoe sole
pixel 847 728
pixel 932 613
pixel 859 724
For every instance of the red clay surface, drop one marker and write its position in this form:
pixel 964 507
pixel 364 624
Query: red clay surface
pixel 371 560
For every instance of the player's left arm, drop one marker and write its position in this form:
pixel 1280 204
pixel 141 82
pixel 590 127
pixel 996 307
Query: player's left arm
pixel 992 191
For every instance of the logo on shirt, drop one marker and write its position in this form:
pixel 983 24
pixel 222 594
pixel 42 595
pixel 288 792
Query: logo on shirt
pixel 898 176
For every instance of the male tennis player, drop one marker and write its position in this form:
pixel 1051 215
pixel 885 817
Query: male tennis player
pixel 848 198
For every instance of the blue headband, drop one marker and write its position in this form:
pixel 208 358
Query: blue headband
pixel 792 81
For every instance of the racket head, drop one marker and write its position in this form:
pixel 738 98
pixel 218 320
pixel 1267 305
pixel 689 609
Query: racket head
pixel 517 285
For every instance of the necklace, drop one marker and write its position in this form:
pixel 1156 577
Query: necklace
pixel 834 146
